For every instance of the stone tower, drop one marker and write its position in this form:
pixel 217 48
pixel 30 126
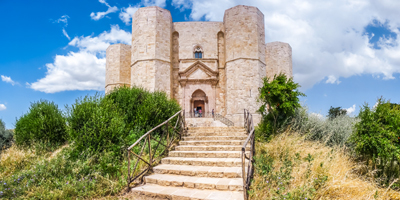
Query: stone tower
pixel 118 66
pixel 245 60
pixel 151 49
pixel 278 59
pixel 203 65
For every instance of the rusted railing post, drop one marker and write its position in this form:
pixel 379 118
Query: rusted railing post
pixel 166 126
pixel 129 170
pixel 244 173
pixel 150 157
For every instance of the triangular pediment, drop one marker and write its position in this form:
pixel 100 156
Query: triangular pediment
pixel 199 74
pixel 198 69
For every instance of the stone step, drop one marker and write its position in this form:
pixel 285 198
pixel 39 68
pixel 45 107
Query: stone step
pixel 151 191
pixel 212 142
pixel 200 171
pixel 217 162
pixel 216 131
pixel 230 128
pixel 215 134
pixel 191 138
pixel 207 154
pixel 211 148
pixel 202 183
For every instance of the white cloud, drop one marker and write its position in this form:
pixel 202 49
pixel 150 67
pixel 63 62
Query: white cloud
pixel 332 79
pixel 126 13
pixel 7 79
pixel 66 34
pixel 82 70
pixel 327 37
pixel 159 3
pixel 2 107
pixel 100 43
pixel 62 19
pixel 318 115
pixel 98 15
pixel 75 71
pixel 351 109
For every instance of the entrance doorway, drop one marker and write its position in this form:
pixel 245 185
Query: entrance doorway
pixel 199 102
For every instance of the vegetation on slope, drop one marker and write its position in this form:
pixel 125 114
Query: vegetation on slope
pixel 91 163
pixel 303 156
pixel 6 136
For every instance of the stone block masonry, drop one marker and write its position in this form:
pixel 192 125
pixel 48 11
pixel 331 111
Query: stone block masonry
pixel 118 72
pixel 227 75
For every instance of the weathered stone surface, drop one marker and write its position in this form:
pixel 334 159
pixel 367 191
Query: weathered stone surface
pixel 278 59
pixel 199 173
pixel 234 60
pixel 118 68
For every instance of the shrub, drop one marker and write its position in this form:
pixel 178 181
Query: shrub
pixel 335 132
pixel 95 125
pixel 6 136
pixel 114 122
pixel 44 123
pixel 377 138
pixel 142 110
pixel 279 99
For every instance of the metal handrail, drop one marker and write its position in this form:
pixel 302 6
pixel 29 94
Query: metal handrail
pixel 197 115
pixel 170 134
pixel 247 176
pixel 223 119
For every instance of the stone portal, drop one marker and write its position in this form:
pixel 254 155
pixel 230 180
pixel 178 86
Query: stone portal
pixel 199 101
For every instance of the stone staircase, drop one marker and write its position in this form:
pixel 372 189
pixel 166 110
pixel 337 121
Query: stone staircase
pixel 205 165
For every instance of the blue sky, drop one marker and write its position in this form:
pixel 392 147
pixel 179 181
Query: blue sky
pixel 345 53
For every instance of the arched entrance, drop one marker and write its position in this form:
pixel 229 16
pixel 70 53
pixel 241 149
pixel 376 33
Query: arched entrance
pixel 199 101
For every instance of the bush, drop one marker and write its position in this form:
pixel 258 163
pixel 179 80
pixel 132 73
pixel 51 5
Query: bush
pixel 142 110
pixel 377 139
pixel 95 125
pixel 279 99
pixel 114 122
pixel 6 136
pixel 44 124
pixel 334 132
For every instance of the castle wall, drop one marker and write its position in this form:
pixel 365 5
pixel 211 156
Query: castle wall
pixel 151 49
pixel 118 59
pixel 188 36
pixel 161 51
pixel 278 59
pixel 245 57
pixel 198 33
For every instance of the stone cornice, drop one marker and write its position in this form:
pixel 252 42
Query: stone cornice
pixel 150 59
pixel 117 83
pixel 240 58
pixel 183 76
pixel 198 65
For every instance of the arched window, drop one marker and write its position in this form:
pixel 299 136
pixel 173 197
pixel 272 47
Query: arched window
pixel 198 52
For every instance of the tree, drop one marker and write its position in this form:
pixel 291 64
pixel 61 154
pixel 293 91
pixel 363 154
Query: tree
pixel 279 98
pixel 6 136
pixel 335 112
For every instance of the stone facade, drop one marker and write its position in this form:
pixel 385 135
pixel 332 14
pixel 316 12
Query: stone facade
pixel 206 65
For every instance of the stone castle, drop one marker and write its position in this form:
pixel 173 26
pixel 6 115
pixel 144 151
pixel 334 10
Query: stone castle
pixel 203 65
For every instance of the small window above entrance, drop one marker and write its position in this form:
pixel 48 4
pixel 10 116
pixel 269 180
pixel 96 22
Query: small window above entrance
pixel 198 55
pixel 198 52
